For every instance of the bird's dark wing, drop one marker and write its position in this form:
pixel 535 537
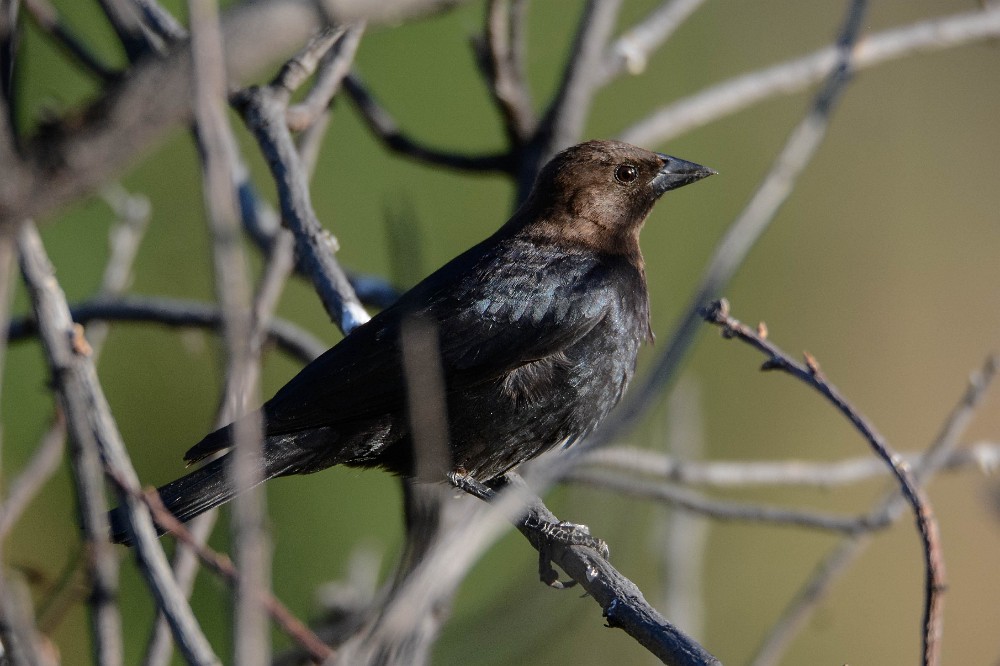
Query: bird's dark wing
pixel 493 317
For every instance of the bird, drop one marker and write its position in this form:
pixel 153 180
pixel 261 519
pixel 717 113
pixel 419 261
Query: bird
pixel 538 330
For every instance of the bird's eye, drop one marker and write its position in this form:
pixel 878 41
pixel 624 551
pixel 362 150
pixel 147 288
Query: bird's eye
pixel 626 173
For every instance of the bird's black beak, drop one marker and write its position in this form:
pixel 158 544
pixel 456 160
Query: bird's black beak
pixel 677 173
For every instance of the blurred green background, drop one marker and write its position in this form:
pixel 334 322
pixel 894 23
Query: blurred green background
pixel 883 263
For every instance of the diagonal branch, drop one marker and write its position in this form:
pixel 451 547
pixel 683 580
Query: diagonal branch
pixel 160 21
pixel 387 130
pixel 264 111
pixel 47 18
pixel 794 76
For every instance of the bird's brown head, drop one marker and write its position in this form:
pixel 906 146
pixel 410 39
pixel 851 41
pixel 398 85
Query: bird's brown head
pixel 597 194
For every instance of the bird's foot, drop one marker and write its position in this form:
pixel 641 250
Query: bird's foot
pixel 549 534
pixel 466 483
pixel 563 534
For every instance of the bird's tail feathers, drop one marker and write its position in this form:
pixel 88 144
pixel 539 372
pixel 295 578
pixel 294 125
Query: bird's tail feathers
pixel 195 493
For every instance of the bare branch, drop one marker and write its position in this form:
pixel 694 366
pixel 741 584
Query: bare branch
pixel 251 639
pixel 621 600
pixel 160 21
pixel 984 456
pixel 457 549
pixel 73 157
pixel 297 69
pixel 93 428
pixel 695 502
pixel 20 641
pixel 264 112
pixel 160 646
pixel 794 76
pixel 85 457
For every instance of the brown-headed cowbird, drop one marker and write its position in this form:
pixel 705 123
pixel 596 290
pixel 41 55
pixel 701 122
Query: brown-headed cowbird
pixel 539 326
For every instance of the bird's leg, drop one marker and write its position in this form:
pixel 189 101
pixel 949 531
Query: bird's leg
pixel 461 480
pixel 538 522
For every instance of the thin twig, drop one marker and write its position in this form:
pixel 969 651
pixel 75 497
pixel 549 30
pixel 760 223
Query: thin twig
pixel 501 54
pixel 43 464
pixel 177 313
pixel 387 130
pixel 810 374
pixel 695 502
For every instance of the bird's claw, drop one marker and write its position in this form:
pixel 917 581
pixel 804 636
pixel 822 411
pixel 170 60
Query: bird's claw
pixel 467 484
pixel 573 534
pixel 562 534
pixel 549 533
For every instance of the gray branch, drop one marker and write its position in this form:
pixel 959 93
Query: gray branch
pixel 92 427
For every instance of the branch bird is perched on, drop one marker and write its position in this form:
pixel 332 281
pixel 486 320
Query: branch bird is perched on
pixel 539 326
